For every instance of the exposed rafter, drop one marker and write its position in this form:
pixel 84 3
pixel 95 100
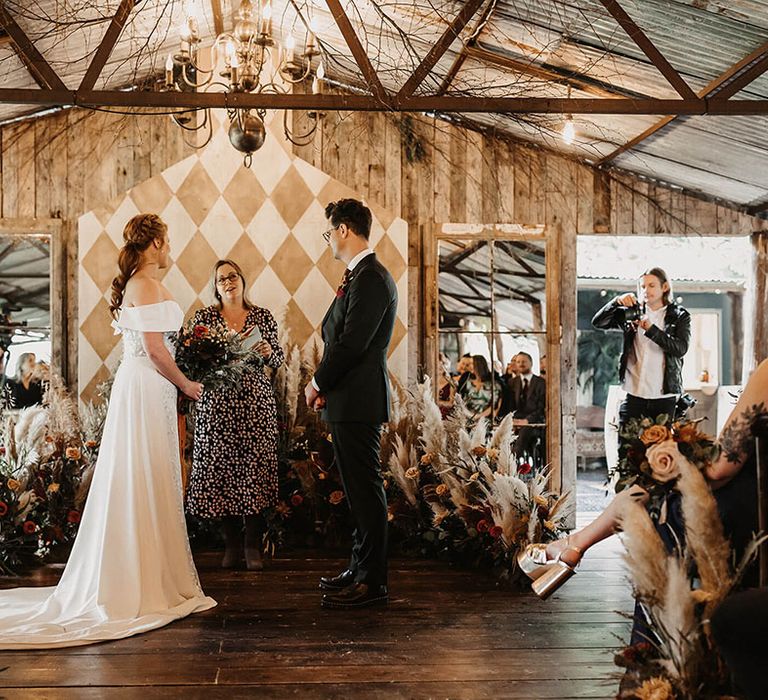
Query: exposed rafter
pixel 436 52
pixel 473 38
pixel 736 78
pixel 649 49
pixel 107 44
pixel 551 73
pixel 359 53
pixel 218 17
pixel 43 74
pixel 368 103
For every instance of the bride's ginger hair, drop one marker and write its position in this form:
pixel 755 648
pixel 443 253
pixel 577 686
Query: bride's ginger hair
pixel 138 234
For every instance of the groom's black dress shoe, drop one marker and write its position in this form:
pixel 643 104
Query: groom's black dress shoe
pixel 337 583
pixel 358 595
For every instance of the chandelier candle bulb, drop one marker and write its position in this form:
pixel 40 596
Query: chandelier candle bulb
pixel 317 84
pixel 266 19
pixel 290 49
pixel 169 71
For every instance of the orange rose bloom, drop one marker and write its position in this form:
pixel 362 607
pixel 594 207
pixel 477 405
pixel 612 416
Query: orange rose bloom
pixel 336 497
pixel 654 434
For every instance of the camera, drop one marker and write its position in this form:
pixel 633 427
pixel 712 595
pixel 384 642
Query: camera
pixel 632 314
pixel 684 404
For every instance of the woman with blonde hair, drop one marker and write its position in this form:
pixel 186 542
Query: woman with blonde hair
pixel 234 461
pixel 131 568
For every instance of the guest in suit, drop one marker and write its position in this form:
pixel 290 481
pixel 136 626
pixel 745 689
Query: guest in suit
pixel 464 369
pixel 351 386
pixel 529 397
pixel 507 397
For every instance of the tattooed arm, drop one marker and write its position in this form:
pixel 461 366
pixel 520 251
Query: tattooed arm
pixel 736 439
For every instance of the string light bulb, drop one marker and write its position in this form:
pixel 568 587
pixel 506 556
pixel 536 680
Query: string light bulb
pixel 569 131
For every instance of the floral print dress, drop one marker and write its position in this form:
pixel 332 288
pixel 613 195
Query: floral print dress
pixel 234 460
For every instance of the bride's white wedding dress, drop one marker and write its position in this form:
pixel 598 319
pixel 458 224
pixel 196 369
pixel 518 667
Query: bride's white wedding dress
pixel 131 568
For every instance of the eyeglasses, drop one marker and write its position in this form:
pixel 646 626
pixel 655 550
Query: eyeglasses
pixel 327 234
pixel 231 277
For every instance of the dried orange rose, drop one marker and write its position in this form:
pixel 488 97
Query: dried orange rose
pixel 654 434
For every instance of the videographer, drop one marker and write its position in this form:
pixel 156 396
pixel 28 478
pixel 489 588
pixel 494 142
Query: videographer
pixel 657 332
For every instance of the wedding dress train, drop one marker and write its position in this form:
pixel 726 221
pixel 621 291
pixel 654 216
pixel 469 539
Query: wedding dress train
pixel 131 569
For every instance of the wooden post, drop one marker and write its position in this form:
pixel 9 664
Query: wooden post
pixel 759 344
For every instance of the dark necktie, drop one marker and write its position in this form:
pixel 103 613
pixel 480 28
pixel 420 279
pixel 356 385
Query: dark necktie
pixel 524 392
pixel 344 283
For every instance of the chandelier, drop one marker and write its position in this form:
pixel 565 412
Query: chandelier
pixel 247 59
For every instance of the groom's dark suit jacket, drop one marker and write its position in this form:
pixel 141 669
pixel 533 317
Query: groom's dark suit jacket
pixel 356 332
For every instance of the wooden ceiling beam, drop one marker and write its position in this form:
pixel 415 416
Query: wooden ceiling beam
pixel 648 48
pixel 218 17
pixel 38 67
pixel 358 52
pixel 438 50
pixel 462 57
pixel 107 44
pixel 577 81
pixel 727 84
pixel 367 103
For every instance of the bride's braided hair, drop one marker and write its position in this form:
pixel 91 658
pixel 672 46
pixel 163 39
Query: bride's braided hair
pixel 138 235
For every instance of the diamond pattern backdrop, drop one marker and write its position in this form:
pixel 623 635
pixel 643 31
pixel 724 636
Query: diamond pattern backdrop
pixel 268 218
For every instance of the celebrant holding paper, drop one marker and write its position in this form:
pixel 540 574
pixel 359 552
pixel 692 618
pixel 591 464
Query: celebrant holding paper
pixel 234 460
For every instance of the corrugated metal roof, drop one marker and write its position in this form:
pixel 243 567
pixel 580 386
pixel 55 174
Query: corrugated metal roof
pixel 718 156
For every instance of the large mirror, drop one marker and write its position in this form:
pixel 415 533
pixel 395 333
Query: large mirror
pixel 491 333
pixel 26 343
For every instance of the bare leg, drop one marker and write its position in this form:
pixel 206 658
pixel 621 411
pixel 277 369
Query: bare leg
pixel 253 542
pixel 602 527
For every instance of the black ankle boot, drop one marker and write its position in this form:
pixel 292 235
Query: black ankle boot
pixel 253 542
pixel 231 528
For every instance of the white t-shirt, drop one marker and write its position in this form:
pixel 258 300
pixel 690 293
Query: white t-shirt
pixel 644 376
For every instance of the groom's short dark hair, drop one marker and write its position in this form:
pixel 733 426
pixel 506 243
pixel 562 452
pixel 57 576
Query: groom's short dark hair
pixel 351 212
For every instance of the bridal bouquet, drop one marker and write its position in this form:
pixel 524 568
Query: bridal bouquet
pixel 212 355
pixel 651 451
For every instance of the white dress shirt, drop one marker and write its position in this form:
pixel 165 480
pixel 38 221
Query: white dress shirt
pixel 351 266
pixel 644 376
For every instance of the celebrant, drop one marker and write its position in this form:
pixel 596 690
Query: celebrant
pixel 234 459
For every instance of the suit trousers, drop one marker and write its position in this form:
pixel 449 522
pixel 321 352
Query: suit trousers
pixel 356 447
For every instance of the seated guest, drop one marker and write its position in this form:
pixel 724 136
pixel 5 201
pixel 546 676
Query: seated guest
pixel 463 373
pixel 446 390
pixel 543 366
pixel 234 460
pixel 529 401
pixel 25 389
pixel 740 629
pixel 482 394
pixel 732 476
pixel 507 397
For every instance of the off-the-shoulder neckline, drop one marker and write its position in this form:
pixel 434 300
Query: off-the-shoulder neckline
pixel 157 303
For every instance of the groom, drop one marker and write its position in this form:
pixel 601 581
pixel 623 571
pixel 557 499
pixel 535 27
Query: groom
pixel 352 387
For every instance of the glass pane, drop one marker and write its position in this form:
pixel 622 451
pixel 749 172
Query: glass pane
pixel 523 392
pixel 25 316
pixel 519 285
pixel 464 294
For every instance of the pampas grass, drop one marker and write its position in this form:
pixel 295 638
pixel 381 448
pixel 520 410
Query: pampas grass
pixel 645 553
pixel 402 459
pixel 705 540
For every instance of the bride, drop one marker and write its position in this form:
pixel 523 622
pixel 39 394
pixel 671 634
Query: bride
pixel 131 568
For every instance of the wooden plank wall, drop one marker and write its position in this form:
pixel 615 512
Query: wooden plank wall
pixel 62 165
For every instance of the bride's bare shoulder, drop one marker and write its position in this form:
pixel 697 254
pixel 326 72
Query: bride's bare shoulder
pixel 141 290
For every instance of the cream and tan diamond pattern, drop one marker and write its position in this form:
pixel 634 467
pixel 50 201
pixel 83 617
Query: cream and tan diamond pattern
pixel 268 218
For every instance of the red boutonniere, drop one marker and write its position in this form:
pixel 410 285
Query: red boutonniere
pixel 342 289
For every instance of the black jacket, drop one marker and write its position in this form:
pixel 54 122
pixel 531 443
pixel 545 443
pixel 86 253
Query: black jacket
pixel 357 328
pixel 534 406
pixel 673 340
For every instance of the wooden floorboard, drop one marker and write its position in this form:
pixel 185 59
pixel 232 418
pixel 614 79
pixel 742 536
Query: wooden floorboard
pixel 447 633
